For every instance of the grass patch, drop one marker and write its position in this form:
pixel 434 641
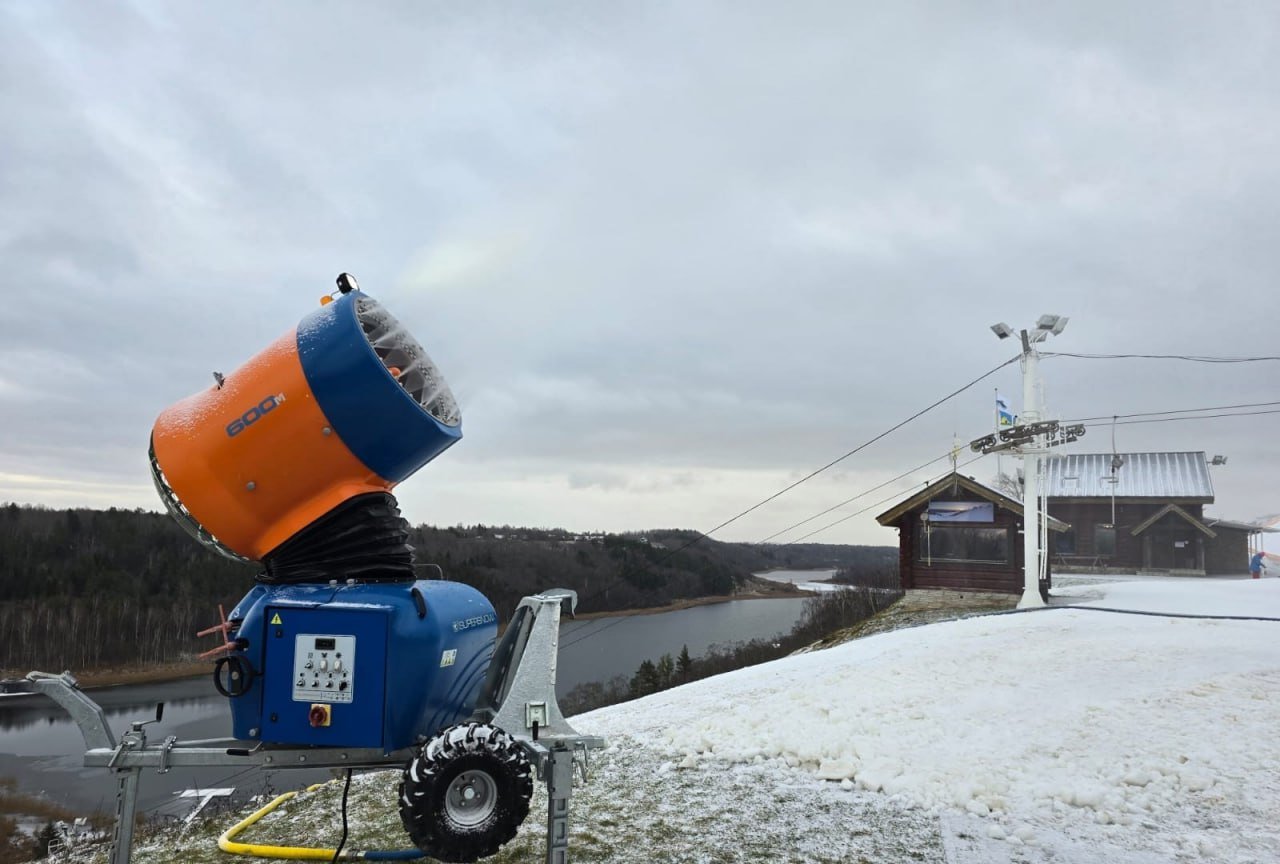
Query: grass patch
pixel 15 803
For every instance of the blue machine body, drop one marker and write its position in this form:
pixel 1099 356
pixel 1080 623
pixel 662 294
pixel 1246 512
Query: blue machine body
pixel 360 664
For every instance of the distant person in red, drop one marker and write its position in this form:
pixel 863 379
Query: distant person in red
pixel 1256 566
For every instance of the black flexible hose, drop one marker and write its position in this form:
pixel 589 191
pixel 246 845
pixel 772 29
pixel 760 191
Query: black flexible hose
pixel 1139 612
pixel 337 852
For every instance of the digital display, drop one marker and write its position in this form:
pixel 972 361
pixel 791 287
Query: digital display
pixel 325 643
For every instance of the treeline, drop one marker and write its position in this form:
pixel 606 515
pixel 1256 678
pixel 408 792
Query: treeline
pixel 83 633
pixel 872 573
pixel 82 589
pixel 619 571
pixel 823 615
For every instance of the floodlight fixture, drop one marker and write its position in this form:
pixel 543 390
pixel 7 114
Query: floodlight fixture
pixel 1002 330
pixel 1051 322
pixel 1218 460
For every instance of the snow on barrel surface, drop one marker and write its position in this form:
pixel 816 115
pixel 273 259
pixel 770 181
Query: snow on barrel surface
pixel 1110 717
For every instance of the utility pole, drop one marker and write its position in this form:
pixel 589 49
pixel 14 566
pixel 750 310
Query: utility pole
pixel 1032 447
pixel 1031 471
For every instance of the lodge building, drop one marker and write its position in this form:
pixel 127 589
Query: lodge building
pixel 1142 512
pixel 1107 513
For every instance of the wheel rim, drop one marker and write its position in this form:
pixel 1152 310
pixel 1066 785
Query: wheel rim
pixel 471 798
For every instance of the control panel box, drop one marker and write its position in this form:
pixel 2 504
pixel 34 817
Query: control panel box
pixel 374 665
pixel 332 656
pixel 322 667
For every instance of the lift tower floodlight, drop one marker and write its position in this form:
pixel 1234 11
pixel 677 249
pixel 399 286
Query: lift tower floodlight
pixel 1032 450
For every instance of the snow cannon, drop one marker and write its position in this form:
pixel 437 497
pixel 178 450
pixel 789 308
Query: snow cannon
pixel 340 656
pixel 347 404
pixel 289 461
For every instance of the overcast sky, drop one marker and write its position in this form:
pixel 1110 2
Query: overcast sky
pixel 670 256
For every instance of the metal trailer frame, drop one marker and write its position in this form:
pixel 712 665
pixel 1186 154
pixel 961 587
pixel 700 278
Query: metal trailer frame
pixel 522 702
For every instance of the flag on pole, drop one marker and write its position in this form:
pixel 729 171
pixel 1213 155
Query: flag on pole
pixel 1004 416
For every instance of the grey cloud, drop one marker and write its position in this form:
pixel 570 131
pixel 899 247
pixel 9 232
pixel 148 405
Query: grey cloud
pixel 690 238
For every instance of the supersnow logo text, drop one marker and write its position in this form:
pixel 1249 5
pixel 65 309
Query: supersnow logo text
pixel 467 623
pixel 253 415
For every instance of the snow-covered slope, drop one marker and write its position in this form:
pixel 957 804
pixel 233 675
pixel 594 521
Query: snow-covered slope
pixel 1061 735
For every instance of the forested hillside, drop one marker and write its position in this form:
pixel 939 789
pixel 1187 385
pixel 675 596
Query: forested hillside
pixel 618 571
pixel 84 589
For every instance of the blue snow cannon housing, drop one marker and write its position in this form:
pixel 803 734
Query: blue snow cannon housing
pixel 384 396
pixel 360 665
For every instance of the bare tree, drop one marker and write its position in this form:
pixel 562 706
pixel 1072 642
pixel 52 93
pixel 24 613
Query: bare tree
pixel 1008 486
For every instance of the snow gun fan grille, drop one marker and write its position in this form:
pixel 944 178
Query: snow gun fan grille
pixel 407 361
pixel 364 539
pixel 181 514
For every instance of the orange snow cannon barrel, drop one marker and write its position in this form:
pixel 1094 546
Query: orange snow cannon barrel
pixel 346 405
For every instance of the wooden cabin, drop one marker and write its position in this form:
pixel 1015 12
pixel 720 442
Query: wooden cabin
pixel 1142 512
pixel 961 535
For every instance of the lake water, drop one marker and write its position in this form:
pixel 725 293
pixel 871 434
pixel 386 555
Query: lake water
pixel 42 749
pixel 796 577
pixel 599 649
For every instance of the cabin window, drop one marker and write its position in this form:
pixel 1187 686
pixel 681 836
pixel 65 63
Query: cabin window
pixel 963 544
pixel 1104 539
pixel 1064 543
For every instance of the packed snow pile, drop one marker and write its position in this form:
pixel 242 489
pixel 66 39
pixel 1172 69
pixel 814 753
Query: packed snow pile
pixel 1136 733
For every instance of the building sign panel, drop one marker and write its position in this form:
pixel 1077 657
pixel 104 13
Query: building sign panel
pixel 961 511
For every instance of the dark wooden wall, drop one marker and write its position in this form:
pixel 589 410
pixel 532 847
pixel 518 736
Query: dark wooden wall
pixel 1084 515
pixel 961 576
pixel 906 543
pixel 1228 553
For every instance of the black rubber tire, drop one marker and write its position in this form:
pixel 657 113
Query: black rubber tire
pixel 479 751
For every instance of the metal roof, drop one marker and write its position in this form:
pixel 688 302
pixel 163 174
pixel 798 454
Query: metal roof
pixel 1143 475
pixel 1234 525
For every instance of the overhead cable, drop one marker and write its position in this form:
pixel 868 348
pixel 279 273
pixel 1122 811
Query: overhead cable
pixel 1191 357
pixel 873 506
pixel 1176 411
pixel 860 447
pixel 617 620
pixel 1195 417
pixel 856 497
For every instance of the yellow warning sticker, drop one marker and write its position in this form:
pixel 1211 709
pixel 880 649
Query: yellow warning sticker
pixel 275 619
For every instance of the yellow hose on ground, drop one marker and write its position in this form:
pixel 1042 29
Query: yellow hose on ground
pixel 295 853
